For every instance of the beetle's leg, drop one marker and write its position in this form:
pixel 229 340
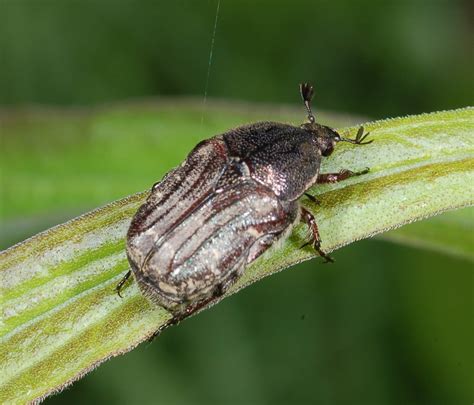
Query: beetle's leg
pixel 124 279
pixel 315 241
pixel 312 198
pixel 336 177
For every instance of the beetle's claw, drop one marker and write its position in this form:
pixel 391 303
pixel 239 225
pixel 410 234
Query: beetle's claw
pixel 327 259
pixel 325 256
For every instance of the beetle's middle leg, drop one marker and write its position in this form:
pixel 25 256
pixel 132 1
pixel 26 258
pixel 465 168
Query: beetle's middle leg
pixel 315 241
pixel 336 177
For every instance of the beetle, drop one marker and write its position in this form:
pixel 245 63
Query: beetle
pixel 231 199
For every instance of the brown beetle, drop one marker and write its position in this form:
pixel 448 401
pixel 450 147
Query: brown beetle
pixel 234 196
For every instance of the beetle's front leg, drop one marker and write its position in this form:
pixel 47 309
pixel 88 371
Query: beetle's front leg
pixel 315 240
pixel 336 177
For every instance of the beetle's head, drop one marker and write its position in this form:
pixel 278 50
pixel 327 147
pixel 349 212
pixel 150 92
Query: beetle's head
pixel 325 137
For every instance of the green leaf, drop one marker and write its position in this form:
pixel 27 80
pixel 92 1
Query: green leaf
pixel 450 233
pixel 61 316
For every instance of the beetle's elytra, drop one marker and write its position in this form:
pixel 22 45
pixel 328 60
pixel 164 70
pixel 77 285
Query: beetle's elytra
pixel 227 203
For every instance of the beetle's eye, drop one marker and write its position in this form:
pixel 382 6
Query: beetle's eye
pixel 337 138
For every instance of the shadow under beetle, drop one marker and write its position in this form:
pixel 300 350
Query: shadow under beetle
pixel 234 196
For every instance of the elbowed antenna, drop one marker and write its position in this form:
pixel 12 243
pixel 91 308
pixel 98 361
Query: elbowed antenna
pixel 307 92
pixel 359 138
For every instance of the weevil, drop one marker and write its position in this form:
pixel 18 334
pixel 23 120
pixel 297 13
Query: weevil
pixel 231 199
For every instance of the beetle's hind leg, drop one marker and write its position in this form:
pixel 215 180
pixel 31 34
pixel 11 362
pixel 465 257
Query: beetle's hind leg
pixel 315 240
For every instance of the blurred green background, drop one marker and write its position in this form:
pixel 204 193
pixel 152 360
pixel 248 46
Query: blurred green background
pixel 378 58
pixel 385 324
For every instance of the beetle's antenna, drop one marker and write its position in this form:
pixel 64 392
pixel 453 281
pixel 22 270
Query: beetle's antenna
pixel 359 139
pixel 307 92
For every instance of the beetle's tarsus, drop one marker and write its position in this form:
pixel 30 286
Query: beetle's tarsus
pixel 315 239
pixel 324 255
pixel 120 284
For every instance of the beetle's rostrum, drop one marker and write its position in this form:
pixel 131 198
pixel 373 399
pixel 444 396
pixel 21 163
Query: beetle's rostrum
pixel 233 197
